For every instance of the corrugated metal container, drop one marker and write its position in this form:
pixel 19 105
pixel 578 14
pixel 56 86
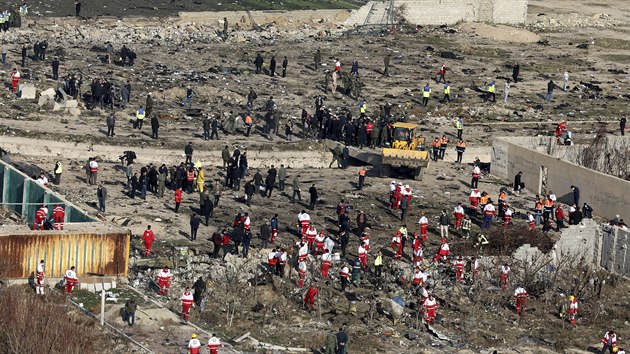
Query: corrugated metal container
pixel 100 253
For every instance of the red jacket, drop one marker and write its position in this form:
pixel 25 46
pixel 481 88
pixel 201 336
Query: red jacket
pixel 559 214
pixel 178 196
pixel 148 236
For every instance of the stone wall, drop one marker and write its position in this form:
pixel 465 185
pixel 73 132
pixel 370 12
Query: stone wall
pixel 440 12
pixel 607 195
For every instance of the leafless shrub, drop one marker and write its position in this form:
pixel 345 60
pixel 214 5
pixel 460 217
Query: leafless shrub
pixel 30 324
pixel 607 155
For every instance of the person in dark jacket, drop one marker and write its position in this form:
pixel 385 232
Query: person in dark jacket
pixel 217 242
pixel 517 182
pixel 155 125
pixel 55 68
pixel 247 239
pixel 576 195
pixel 188 151
pixel 313 193
pixel 285 63
pixel 342 341
pixel 272 67
pixel 200 289
pixel 237 236
pixel 250 189
pixel 130 311
pixel 265 235
pixel 270 181
pixel 194 226
pixel 345 153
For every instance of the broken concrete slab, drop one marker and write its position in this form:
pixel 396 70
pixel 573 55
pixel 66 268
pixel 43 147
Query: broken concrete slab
pixel 71 103
pixel 28 92
pixel 49 92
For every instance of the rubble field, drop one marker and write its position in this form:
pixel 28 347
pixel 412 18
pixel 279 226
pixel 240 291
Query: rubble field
pixel 475 317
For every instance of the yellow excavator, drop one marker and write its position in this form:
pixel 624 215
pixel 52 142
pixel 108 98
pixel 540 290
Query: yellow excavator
pixel 407 151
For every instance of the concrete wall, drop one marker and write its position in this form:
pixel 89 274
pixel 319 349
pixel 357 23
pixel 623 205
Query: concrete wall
pixel 23 195
pixel 607 195
pixel 439 12
pixel 613 251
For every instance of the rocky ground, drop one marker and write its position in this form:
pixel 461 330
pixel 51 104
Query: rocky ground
pixel 177 52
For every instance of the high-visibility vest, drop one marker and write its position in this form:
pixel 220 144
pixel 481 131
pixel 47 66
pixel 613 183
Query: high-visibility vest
pixel 491 88
pixel 23 10
pixel 444 141
pixel 59 169
pixel 458 125
pixel 140 114
pixel 435 143
pixel 362 172
pixel 447 89
pixel 363 107
pixel 248 120
pixel 378 261
pixel 426 92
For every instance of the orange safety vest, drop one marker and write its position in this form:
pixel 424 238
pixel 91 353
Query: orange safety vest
pixel 462 144
pixel 502 196
pixel 248 120
pixel 362 172
pixel 548 203
pixel 444 141
pixel 436 143
pixel 539 206
pixel 484 199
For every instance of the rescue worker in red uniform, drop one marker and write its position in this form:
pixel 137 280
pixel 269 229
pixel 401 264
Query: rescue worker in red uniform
pixel 39 285
pixel 326 259
pixel 474 199
pixel 424 227
pixel 187 302
pixel 366 241
pixel 504 274
pixel 302 269
pixel 59 216
pixel 459 270
pixel 15 80
pixel 573 310
pixel 281 262
pixel 40 217
pixel 164 280
pixel 71 280
pixel 214 344
pixel 458 213
pixel 531 221
pixel 362 252
pixel 430 306
pixel 610 342
pixel 443 253
pixel 304 221
pixel 194 345
pixel 520 297
pixel 272 260
pixel 418 277
pixel 148 237
pixel 309 236
pixel 397 245
pixel 309 299
pixel 417 247
pixel 302 252
pixel 319 242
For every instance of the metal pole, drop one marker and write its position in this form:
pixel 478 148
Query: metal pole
pixel 103 306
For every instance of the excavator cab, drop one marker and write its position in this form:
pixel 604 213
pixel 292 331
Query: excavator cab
pixel 405 154
pixel 405 137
